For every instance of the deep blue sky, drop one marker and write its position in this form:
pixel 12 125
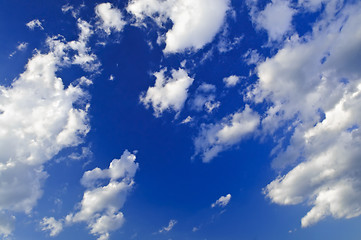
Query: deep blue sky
pixel 174 181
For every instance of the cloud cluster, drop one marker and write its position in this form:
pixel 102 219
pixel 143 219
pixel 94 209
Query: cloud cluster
pixel 39 117
pixel 168 92
pixel 105 194
pixel 314 86
pixel 101 203
pixel 195 23
pixel 215 138
pixel 110 18
pixel 222 201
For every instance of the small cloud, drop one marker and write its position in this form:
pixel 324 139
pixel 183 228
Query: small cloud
pixel 187 120
pixel 222 201
pixel 52 225
pixel 170 226
pixel 34 24
pixel 231 81
pixel 252 57
pixel 195 229
pixel 20 47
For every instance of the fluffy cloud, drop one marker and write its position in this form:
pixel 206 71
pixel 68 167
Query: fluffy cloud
pixel 222 201
pixel 167 93
pixel 39 117
pixel 110 18
pixel 34 24
pixel 214 138
pixel 101 204
pixel 231 81
pixel 170 226
pixel 314 87
pixel 195 23
pixel 275 18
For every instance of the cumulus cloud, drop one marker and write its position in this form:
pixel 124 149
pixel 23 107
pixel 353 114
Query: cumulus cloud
pixel 215 138
pixel 39 117
pixel 52 225
pixel 222 201
pixel 276 18
pixel 195 23
pixel 170 226
pixel 101 203
pixel 168 92
pixel 110 18
pixel 231 81
pixel 34 24
pixel 314 86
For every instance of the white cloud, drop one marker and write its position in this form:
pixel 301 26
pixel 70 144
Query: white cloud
pixel 39 117
pixel 110 18
pixel 231 81
pixel 34 24
pixel 195 23
pixel 310 76
pixel 214 138
pixel 276 18
pixel 22 46
pixel 168 92
pixel 52 225
pixel 252 57
pixel 222 201
pixel 101 204
pixel 187 120
pixel 170 226
pixel 38 120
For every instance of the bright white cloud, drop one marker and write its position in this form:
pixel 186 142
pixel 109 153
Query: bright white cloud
pixel 170 226
pixel 39 117
pixel 110 18
pixel 101 204
pixel 195 23
pixel 231 81
pixel 34 24
pixel 222 201
pixel 168 92
pixel 310 76
pixel 276 18
pixel 215 138
pixel 52 225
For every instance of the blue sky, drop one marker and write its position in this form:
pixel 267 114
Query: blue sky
pixel 180 119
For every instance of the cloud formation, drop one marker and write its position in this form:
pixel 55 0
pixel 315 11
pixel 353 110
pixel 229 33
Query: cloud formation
pixel 101 203
pixel 34 24
pixel 195 23
pixel 314 86
pixel 168 93
pixel 222 201
pixel 110 18
pixel 215 138
pixel 170 226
